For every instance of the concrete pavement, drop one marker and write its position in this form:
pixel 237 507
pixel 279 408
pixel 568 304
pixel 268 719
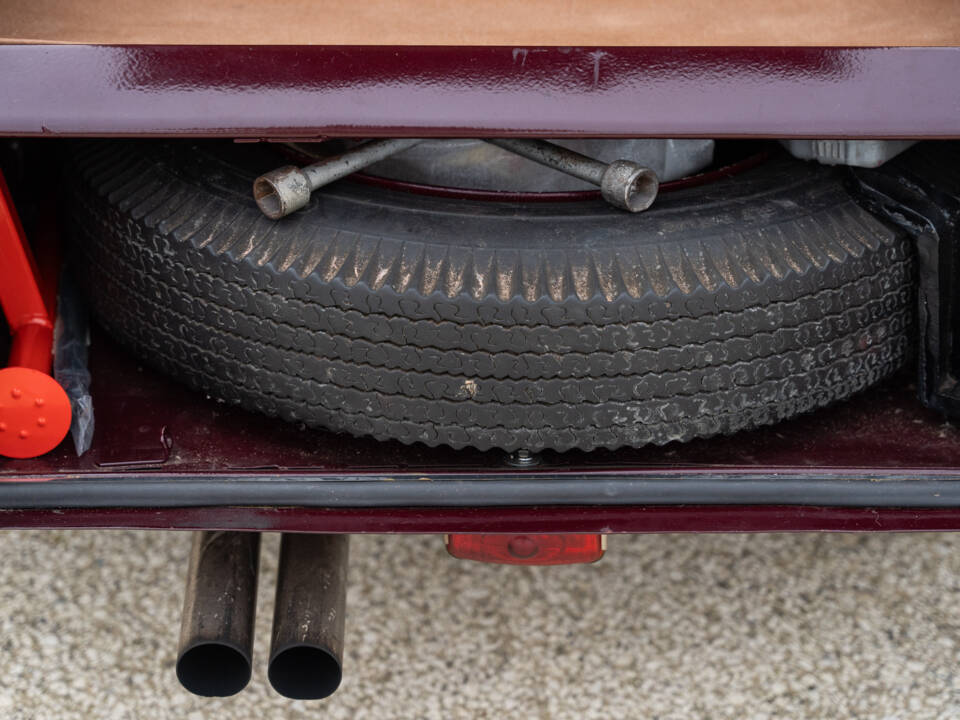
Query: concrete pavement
pixel 670 626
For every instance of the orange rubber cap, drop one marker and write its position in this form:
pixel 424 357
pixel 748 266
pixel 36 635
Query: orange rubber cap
pixel 34 413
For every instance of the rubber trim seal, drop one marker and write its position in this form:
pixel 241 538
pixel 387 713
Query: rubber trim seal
pixel 939 490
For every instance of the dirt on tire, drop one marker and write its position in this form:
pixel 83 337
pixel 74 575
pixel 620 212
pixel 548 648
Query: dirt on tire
pixel 487 324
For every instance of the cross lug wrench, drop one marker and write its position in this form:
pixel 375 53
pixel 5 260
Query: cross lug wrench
pixel 287 189
pixel 623 183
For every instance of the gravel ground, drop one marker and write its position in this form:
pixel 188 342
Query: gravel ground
pixel 670 626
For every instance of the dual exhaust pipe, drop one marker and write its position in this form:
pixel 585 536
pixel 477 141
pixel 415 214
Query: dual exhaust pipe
pixel 215 657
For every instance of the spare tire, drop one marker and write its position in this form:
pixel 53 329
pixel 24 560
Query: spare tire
pixel 493 324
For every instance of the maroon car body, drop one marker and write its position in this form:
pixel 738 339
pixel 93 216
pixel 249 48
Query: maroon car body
pixel 166 458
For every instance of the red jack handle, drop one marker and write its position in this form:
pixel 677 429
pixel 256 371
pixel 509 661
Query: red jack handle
pixel 34 408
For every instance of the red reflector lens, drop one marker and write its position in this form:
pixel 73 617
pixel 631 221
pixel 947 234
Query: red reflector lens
pixel 527 549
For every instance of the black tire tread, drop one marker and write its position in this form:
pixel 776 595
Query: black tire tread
pixel 788 297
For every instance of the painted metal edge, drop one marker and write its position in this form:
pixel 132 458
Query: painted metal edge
pixel 314 91
pixel 548 519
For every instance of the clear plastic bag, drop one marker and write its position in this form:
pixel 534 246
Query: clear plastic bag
pixel 70 360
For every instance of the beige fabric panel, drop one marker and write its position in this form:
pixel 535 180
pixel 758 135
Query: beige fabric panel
pixel 484 22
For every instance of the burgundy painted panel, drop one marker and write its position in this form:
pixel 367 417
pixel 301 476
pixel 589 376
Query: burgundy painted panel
pixel 593 519
pixel 303 91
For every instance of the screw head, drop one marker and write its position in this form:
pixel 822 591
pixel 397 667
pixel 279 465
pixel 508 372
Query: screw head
pixel 522 547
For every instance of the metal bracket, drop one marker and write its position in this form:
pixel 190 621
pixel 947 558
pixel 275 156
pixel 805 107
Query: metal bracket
pixel 920 192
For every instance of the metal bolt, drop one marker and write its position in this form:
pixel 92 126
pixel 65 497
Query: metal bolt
pixel 623 183
pixel 287 189
pixel 522 459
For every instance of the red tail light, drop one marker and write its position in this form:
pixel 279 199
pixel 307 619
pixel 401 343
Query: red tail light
pixel 527 549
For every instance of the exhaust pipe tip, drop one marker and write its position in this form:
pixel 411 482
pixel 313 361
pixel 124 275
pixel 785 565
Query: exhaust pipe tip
pixel 306 652
pixel 215 655
pixel 305 672
pixel 213 669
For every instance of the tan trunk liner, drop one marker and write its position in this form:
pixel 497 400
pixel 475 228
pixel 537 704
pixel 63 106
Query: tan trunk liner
pixel 484 22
